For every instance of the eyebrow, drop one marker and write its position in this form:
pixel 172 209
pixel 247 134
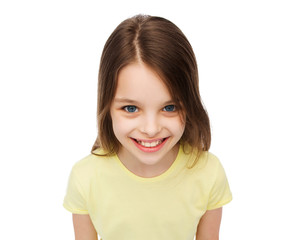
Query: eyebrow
pixel 124 100
pixel 127 100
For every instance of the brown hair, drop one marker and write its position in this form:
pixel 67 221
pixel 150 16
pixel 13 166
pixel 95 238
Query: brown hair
pixel 161 45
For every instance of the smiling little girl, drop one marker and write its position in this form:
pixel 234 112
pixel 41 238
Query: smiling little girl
pixel 150 175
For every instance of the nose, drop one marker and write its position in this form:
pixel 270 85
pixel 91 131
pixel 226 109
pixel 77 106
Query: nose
pixel 150 125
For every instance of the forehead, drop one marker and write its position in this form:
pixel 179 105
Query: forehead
pixel 139 82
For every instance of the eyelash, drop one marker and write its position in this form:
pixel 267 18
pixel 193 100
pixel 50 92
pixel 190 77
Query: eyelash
pixel 127 108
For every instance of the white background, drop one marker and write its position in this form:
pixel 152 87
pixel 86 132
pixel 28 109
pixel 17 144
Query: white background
pixel 249 59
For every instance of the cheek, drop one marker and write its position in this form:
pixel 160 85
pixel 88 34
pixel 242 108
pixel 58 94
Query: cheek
pixel 117 125
pixel 176 125
pixel 181 128
pixel 122 126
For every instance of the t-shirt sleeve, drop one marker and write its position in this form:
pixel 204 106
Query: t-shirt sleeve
pixel 220 193
pixel 75 199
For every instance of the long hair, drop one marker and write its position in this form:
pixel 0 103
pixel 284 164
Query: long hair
pixel 161 45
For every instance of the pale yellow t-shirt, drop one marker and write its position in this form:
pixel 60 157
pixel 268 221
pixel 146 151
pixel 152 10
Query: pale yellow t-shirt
pixel 123 206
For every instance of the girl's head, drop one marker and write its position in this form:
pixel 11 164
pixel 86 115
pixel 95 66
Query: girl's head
pixel 159 44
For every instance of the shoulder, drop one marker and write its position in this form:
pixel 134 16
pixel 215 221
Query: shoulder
pixel 205 160
pixel 209 161
pixel 208 175
pixel 197 160
pixel 91 160
pixel 86 163
pixel 209 167
pixel 90 165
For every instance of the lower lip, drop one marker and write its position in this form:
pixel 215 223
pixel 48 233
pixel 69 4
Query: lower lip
pixel 150 149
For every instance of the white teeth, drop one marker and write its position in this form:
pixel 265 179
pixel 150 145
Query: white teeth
pixel 150 144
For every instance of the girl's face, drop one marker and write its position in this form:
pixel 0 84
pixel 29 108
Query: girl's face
pixel 145 121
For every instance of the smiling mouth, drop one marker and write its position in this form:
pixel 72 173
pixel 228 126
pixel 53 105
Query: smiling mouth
pixel 149 144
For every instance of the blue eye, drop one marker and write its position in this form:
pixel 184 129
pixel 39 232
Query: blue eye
pixel 169 108
pixel 130 109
